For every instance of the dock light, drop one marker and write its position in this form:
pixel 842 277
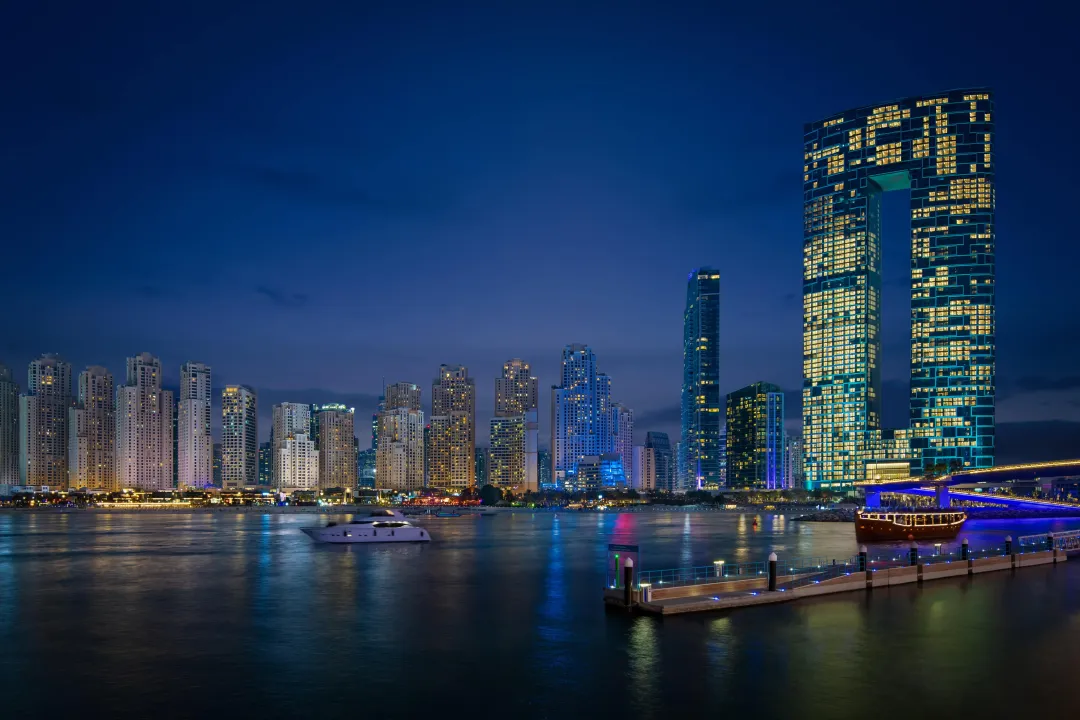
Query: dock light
pixel 719 565
pixel 937 548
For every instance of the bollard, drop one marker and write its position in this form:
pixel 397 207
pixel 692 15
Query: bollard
pixel 862 558
pixel 1008 545
pixel 628 581
pixel 1050 541
pixel 913 554
pixel 772 572
pixel 646 592
pixel 964 550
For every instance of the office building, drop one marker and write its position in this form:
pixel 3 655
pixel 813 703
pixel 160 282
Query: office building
pixel 659 463
pixel 9 428
pixel 453 429
pixel 92 432
pixel 217 465
pixel 399 459
pixel 289 420
pixel 194 443
pixel 337 452
pixel 266 464
pixel 702 402
pixel 144 427
pixel 515 429
pixel 366 465
pixel 939 149
pixel 239 437
pixel 623 439
pixel 375 420
pixel 297 463
pixel 584 420
pixel 793 464
pixel 755 437
pixel 543 470
pixel 482 465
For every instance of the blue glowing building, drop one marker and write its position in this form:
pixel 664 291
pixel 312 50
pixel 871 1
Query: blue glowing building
pixel 701 453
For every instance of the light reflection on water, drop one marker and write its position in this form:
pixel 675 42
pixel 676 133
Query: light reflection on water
pixel 253 619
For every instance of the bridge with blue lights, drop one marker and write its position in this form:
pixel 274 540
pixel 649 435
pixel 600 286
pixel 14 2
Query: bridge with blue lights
pixel 973 485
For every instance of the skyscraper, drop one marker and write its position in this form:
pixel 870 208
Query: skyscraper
pixel 266 463
pixel 194 444
pixel 659 463
pixel 144 427
pixel 514 428
pixel 793 463
pixel 584 420
pixel 623 439
pixel 217 464
pixel 453 429
pixel 543 470
pixel 297 463
pixel 239 437
pixel 43 420
pixel 702 402
pixel 755 437
pixel 482 460
pixel 940 148
pixel 289 420
pixel 399 459
pixel 337 452
pixel 9 428
pixel 92 432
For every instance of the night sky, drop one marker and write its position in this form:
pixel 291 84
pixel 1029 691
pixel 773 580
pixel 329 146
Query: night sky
pixel 313 197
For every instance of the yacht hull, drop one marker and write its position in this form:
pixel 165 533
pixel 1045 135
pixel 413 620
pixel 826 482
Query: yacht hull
pixel 352 534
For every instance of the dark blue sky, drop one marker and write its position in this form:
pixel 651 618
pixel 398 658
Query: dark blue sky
pixel 318 196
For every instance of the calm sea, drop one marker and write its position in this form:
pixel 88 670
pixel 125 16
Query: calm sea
pixel 242 615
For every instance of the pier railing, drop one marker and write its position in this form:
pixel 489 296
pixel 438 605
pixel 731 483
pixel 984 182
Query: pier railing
pixel 717 572
pixel 1068 541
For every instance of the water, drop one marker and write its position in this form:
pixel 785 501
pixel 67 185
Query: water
pixel 241 615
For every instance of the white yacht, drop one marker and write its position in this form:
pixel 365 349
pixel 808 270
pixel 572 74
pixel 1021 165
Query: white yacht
pixel 381 526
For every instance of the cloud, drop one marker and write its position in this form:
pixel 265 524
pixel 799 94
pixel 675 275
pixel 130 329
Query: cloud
pixel 282 298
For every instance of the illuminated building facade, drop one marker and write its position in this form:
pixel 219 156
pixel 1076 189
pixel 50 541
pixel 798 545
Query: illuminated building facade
pixel 9 428
pixel 239 438
pixel 43 421
pixel 194 444
pixel 755 437
pixel 92 432
pixel 399 458
pixel 144 427
pixel 453 429
pixel 940 148
pixel 584 420
pixel 512 458
pixel 337 449
pixel 289 420
pixel 699 463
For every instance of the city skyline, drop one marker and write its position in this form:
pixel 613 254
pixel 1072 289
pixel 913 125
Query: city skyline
pixel 639 167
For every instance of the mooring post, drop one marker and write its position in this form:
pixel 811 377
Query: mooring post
pixel 1008 545
pixel 628 582
pixel 964 550
pixel 1050 541
pixel 913 554
pixel 862 558
pixel 772 572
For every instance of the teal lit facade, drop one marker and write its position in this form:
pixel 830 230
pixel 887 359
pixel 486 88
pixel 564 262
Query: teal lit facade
pixel 941 149
pixel 700 461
